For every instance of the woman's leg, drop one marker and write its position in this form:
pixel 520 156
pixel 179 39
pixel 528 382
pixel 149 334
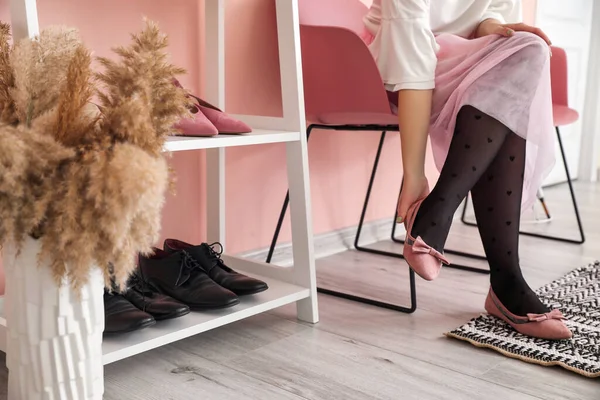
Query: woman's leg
pixel 486 158
pixel 497 203
pixel 477 139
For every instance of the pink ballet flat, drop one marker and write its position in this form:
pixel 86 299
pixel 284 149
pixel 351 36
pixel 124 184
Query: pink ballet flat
pixel 421 258
pixel 549 326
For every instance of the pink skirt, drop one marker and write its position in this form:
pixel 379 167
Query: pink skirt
pixel 495 76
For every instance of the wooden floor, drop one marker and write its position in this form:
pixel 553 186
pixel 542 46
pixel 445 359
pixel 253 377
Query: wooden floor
pixel 359 352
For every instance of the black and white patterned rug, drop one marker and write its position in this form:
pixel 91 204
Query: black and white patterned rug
pixel 577 295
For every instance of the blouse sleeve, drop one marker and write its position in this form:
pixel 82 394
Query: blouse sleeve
pixel 404 47
pixel 505 11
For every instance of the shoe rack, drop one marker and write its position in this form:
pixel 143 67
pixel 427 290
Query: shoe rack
pixel 287 285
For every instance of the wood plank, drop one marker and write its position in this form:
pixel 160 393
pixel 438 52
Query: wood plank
pixel 320 365
pixel 224 344
pixel 418 336
pixel 174 373
pixel 548 383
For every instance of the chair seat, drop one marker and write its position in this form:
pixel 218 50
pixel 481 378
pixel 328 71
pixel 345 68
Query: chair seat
pixel 358 118
pixel 564 115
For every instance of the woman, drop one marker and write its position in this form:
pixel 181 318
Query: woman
pixel 481 88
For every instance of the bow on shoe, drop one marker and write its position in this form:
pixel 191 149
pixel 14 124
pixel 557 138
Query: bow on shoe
pixel 554 314
pixel 419 246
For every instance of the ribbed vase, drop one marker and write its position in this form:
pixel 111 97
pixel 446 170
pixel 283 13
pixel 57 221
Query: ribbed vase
pixel 54 334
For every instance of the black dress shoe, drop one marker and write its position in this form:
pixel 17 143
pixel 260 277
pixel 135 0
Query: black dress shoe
pixel 121 316
pixel 210 260
pixel 181 277
pixel 160 306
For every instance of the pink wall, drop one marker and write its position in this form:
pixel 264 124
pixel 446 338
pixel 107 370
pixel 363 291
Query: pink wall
pixel 340 163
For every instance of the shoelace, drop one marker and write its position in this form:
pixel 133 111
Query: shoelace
pixel 188 264
pixel 136 282
pixel 215 254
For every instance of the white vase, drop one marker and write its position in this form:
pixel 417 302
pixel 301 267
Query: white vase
pixel 54 335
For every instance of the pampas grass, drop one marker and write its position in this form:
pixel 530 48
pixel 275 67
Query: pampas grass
pixel 88 181
pixel 7 79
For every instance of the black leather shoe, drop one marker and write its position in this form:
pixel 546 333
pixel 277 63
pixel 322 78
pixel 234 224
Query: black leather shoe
pixel 121 316
pixel 147 299
pixel 210 260
pixel 181 277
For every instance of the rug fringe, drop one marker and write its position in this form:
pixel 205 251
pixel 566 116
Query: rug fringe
pixel 525 359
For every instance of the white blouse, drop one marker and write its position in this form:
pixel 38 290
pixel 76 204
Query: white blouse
pixel 404 32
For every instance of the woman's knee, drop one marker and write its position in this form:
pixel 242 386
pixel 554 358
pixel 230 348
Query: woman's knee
pixel 534 46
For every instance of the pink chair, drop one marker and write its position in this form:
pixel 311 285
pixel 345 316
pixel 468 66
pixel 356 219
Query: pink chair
pixel 343 90
pixel 563 115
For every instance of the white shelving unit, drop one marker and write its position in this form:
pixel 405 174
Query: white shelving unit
pixel 296 284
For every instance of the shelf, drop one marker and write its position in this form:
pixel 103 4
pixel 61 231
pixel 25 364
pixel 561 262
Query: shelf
pixel 118 347
pixel 258 136
pixel 289 128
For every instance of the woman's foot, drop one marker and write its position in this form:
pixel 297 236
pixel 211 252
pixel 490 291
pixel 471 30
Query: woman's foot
pixel 546 325
pixel 421 257
pixel 516 295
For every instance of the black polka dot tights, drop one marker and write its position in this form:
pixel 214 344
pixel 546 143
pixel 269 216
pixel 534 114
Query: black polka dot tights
pixel 488 160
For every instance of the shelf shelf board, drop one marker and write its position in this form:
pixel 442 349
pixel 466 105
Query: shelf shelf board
pixel 118 347
pixel 257 136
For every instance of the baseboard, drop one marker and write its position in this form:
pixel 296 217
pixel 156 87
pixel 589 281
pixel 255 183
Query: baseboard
pixel 327 244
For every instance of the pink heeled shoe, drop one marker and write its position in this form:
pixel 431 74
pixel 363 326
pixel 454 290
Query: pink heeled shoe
pixel 549 326
pixel 224 123
pixel 421 258
pixel 208 120
pixel 198 125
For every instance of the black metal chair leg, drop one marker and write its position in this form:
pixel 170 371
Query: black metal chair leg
pixel 347 296
pixel 581 239
pixel 358 247
pixel 286 202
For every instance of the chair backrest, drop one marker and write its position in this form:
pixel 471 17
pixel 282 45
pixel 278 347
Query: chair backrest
pixel 559 77
pixel 341 13
pixel 340 74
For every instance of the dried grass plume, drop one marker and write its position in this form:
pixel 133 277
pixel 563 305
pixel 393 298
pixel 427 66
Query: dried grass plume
pixel 88 181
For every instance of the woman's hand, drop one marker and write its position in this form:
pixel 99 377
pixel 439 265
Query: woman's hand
pixel 413 189
pixel 494 27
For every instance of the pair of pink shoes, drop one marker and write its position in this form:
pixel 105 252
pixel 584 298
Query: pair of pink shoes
pixel 208 120
pixel 427 262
